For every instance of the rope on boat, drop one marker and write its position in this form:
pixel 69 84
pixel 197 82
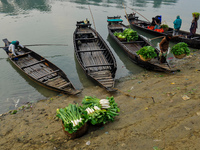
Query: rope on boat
pixel 133 96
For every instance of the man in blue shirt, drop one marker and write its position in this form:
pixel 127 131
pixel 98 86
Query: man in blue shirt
pixel 177 25
pixel 13 46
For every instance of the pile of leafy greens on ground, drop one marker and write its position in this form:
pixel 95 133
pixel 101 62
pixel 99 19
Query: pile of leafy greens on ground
pixel 128 34
pixel 147 52
pixel 93 110
pixel 98 111
pixel 180 48
pixel 71 117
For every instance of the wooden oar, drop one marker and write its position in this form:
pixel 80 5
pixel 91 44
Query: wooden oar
pixel 43 45
pixel 139 14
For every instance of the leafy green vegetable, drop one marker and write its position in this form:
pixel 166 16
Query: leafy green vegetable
pixel 104 114
pixel 128 34
pixel 196 14
pixel 180 48
pixel 71 117
pixel 147 52
pixel 164 26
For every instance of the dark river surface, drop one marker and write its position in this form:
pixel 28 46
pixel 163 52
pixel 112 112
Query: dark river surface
pixel 54 21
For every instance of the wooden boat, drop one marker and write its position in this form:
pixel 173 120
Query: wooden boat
pixel 41 70
pixel 143 25
pixel 94 55
pixel 130 48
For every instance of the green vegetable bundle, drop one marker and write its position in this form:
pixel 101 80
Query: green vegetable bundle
pixel 164 26
pixel 119 35
pixel 195 14
pixel 71 117
pixel 128 34
pixel 180 48
pixel 147 52
pixel 98 111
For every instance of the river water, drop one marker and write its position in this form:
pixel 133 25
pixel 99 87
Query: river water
pixel 54 21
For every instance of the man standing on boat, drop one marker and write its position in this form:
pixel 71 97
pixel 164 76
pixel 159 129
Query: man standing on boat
pixel 177 25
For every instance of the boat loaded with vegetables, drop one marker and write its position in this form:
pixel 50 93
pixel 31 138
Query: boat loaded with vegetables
pixel 138 49
pixel 93 110
pixel 145 26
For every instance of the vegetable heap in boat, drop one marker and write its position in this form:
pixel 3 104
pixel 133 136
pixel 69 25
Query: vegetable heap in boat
pixel 128 34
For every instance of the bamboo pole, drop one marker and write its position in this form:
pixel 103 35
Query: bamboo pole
pixel 138 13
pixel 92 17
pixel 157 38
pixel 126 15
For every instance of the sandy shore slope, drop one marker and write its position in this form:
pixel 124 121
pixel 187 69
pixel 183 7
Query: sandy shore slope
pixel 169 121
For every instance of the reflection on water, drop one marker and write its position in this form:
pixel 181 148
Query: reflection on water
pixel 19 6
pixel 156 3
pixel 23 6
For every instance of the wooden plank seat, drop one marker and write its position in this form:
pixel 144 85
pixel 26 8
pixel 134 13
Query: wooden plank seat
pixel 84 32
pixel 33 64
pixel 116 28
pixel 47 74
pixel 133 42
pixel 98 65
pixel 86 39
pixel 21 55
pixel 95 50
pixel 83 24
pixel 63 86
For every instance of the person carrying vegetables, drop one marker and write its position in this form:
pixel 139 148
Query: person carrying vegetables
pixel 177 25
pixel 194 25
pixel 164 45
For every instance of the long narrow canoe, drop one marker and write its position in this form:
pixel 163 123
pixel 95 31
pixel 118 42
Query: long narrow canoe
pixel 41 70
pixel 143 25
pixel 94 55
pixel 130 48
